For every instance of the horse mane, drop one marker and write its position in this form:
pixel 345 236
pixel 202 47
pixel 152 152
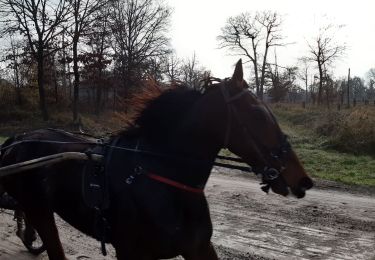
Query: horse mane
pixel 159 109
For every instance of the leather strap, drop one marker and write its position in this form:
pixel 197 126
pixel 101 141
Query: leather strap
pixel 174 183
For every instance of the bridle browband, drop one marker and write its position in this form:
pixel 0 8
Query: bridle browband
pixel 269 172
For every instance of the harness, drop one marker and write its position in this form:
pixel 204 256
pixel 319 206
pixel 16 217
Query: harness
pixel 139 170
pixel 268 171
pixel 95 183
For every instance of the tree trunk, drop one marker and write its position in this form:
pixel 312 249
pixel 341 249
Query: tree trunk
pixel 100 81
pixel 17 81
pixel 76 81
pixel 70 83
pixel 98 94
pixel 42 100
pixel 320 83
pixel 64 66
pixel 16 75
pixel 256 76
pixel 348 89
pixel 263 72
pixel 306 85
pixel 55 81
pixel 255 63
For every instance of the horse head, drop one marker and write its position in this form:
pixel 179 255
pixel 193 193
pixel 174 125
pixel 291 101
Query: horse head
pixel 251 131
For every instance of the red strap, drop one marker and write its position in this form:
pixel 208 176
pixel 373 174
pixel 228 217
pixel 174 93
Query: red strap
pixel 174 183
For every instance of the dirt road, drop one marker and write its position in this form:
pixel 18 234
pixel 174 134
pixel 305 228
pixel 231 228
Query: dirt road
pixel 249 224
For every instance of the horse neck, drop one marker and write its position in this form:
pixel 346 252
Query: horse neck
pixel 197 149
pixel 184 159
pixel 198 135
pixel 189 144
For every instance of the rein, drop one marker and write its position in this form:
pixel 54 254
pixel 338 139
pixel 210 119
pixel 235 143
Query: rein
pixel 112 146
pixel 173 183
pixel 145 152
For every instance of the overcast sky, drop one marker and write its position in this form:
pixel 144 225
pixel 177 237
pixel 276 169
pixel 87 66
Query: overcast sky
pixel 196 24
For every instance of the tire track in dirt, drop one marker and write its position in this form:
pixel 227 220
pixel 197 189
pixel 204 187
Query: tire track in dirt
pixel 323 225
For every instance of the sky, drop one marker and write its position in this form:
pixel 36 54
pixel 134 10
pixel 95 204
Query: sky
pixel 195 24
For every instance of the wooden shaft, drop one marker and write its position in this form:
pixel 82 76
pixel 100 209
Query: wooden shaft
pixel 45 161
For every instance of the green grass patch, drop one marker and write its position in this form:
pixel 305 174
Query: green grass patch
pixel 345 168
pixel 323 162
pixel 348 130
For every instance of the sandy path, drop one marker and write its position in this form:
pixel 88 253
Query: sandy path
pixel 252 225
pixel 323 225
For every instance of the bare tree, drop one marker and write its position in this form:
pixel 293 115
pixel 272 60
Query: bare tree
pixel 371 77
pixel 324 51
pixel 304 74
pixel 83 17
pixel 139 30
pixel 281 83
pixel 13 55
pixel 251 36
pixel 358 88
pixel 39 21
pixel 192 72
pixel 371 83
pixel 97 58
pixel 173 67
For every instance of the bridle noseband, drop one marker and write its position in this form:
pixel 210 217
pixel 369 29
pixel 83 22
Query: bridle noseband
pixel 269 172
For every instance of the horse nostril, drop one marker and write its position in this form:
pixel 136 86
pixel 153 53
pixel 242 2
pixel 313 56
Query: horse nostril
pixel 306 183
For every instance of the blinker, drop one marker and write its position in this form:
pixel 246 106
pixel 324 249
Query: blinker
pixel 270 174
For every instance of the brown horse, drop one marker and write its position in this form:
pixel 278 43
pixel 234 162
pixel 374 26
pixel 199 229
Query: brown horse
pixel 155 172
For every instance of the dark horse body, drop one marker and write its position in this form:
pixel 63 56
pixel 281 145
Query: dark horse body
pixel 182 130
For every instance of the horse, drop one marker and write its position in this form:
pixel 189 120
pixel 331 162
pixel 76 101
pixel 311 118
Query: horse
pixel 155 171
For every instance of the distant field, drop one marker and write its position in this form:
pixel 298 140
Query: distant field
pixel 321 161
pixel 348 130
pixel 2 139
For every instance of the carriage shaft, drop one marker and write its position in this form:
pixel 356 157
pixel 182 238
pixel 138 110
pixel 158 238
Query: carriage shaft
pixel 45 161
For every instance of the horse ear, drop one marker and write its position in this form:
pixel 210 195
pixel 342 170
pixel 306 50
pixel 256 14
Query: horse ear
pixel 238 74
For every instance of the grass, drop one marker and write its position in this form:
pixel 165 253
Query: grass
pixel 348 130
pixel 321 161
pixel 2 139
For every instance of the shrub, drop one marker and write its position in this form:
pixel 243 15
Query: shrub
pixel 350 130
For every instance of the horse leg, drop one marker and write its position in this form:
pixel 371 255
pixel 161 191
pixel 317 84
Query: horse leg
pixel 44 222
pixel 205 253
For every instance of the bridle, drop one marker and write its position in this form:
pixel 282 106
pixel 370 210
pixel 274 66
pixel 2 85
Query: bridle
pixel 269 172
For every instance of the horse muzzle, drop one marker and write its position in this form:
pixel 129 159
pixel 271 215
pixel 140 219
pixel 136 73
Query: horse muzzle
pixel 300 191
